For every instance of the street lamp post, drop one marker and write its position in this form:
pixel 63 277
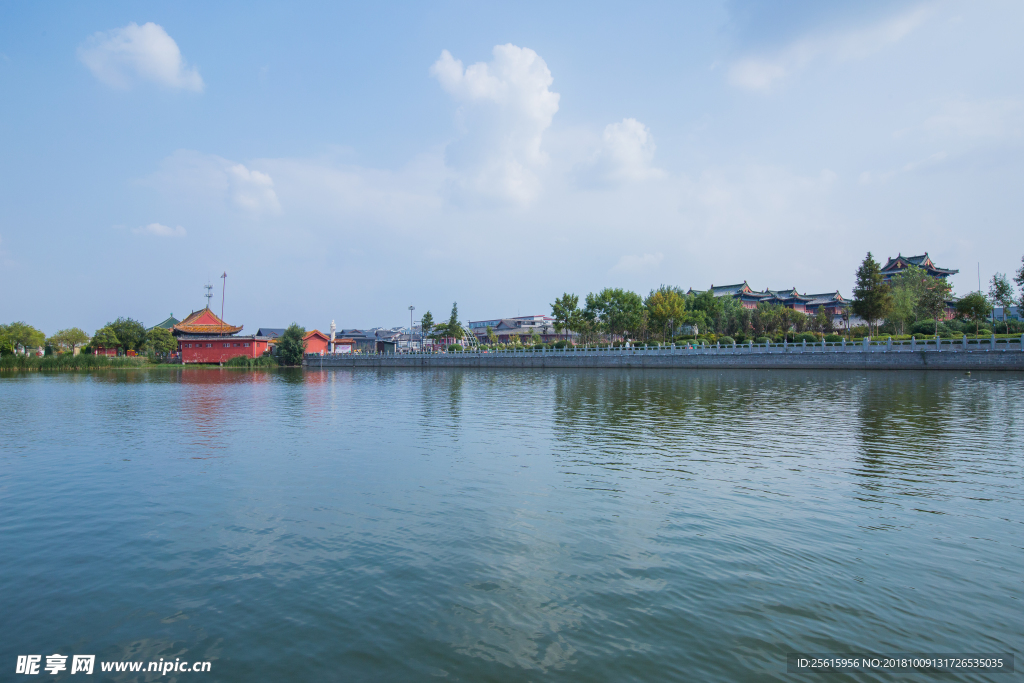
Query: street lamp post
pixel 411 309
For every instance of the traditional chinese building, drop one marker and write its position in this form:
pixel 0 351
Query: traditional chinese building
pixel 835 305
pixel 316 342
pixel 205 338
pixel 895 266
pixel 790 298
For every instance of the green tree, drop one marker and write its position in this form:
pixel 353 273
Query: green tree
pixel 427 325
pixel 453 328
pixel 666 307
pixel 697 320
pixel 822 321
pixel 587 327
pixel 619 311
pixel 565 311
pixel 907 289
pixel 106 338
pixel 68 340
pixel 872 298
pixel 22 334
pixel 933 300
pixel 1019 279
pixel 644 325
pixel 162 341
pixel 801 321
pixel 707 303
pixel 1001 292
pixel 785 320
pixel 290 347
pixel 491 337
pixel 974 307
pixel 131 333
pixel 54 342
pixel 75 337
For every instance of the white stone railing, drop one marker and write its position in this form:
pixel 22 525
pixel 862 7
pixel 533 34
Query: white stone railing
pixel 867 345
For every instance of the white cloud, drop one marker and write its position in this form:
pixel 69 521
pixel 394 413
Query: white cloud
pixel 763 72
pixel 215 181
pixel 985 119
pixel 119 57
pixel 868 177
pixel 625 154
pixel 507 105
pixel 323 190
pixel 160 230
pixel 252 190
pixel 632 263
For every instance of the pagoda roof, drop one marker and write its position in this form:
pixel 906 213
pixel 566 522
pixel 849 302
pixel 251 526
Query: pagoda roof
pixel 315 333
pixel 787 294
pixel 901 262
pixel 725 290
pixel 827 297
pixel 205 321
pixel 167 324
pixel 272 332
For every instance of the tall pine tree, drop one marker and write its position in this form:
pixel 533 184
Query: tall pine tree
pixel 454 327
pixel 872 298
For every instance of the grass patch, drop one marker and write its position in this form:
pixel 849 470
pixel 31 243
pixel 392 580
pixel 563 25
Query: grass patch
pixel 251 363
pixel 67 361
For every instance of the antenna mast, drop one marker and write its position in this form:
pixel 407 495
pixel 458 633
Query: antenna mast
pixel 209 293
pixel 223 289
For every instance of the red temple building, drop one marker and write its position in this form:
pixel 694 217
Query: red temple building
pixel 205 338
pixel 316 342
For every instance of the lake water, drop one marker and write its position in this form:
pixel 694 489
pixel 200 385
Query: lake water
pixel 578 525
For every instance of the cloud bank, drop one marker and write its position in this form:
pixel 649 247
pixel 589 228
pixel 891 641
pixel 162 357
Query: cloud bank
pixel 213 182
pixel 764 72
pixel 160 230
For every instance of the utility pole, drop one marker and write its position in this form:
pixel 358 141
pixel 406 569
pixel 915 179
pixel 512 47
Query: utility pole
pixel 209 293
pixel 411 309
pixel 223 289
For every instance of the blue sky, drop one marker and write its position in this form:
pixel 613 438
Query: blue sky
pixel 345 161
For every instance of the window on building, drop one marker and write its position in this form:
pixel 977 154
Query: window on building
pixel 209 346
pixel 247 344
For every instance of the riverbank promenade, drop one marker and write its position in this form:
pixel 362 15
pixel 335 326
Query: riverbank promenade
pixel 940 354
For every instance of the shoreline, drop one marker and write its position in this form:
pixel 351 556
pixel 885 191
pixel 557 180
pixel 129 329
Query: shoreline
pixel 1006 360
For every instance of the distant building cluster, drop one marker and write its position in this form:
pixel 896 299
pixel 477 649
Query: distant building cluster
pixel 833 302
pixel 836 306
pixel 520 328
pixel 203 337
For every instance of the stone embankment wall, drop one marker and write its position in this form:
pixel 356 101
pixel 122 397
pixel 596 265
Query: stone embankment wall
pixel 1002 359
